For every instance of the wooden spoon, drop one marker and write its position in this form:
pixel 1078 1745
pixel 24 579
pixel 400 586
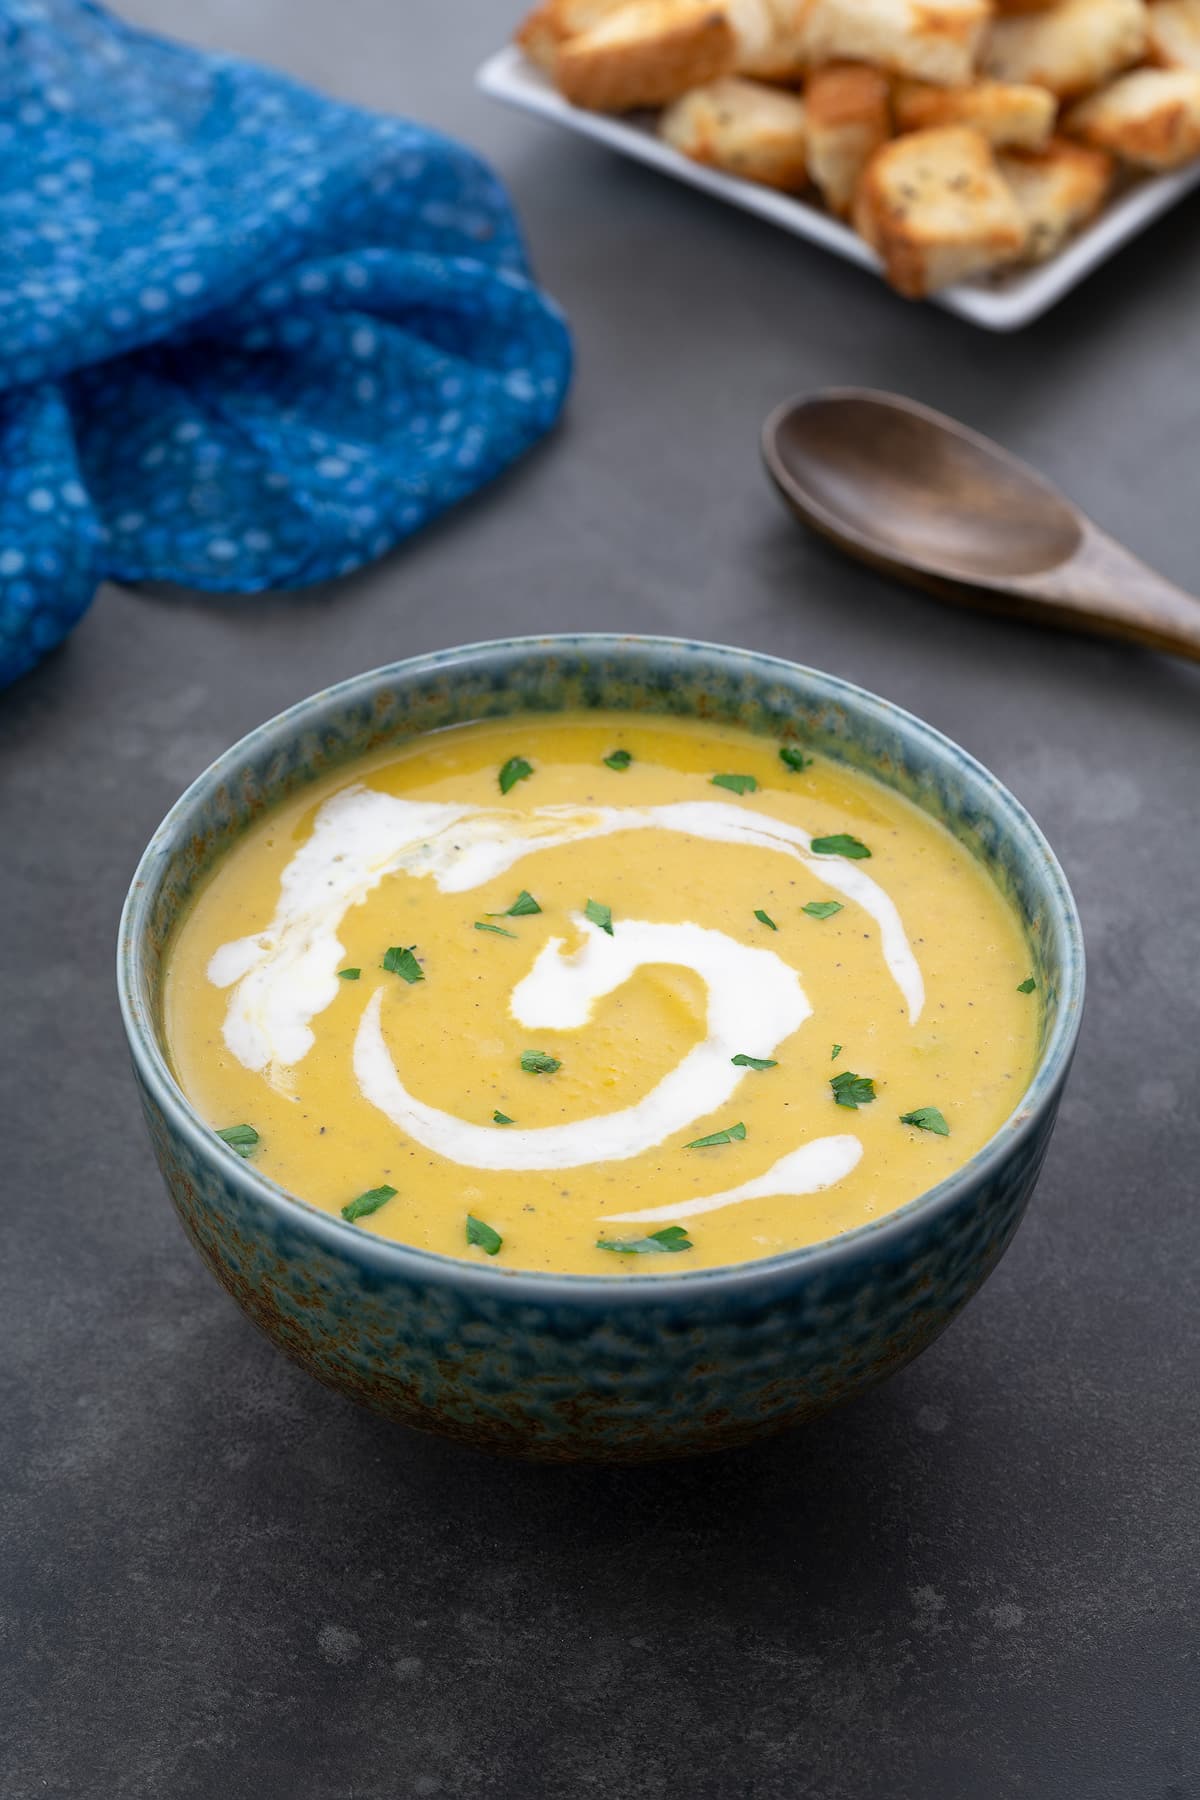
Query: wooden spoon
pixel 922 497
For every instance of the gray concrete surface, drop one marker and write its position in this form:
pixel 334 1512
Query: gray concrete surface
pixel 219 1581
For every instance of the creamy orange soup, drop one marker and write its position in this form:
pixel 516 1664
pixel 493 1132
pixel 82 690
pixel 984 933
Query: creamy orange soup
pixel 603 994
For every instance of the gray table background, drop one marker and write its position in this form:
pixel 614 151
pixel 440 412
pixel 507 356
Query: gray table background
pixel 219 1580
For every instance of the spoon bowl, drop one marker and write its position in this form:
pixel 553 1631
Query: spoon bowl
pixel 921 496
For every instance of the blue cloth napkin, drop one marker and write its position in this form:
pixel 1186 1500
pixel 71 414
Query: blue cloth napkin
pixel 252 337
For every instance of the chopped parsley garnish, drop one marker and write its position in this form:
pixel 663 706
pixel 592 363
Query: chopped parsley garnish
pixel 536 1062
pixel 349 974
pixel 620 759
pixel 671 1237
pixel 852 1090
pixel 793 758
pixel 765 918
pixel 737 1131
pixel 737 784
pixel 483 1235
pixel 368 1203
pixel 926 1118
pixel 837 1051
pixel 499 1118
pixel 822 909
pixel 403 963
pixel 515 769
pixel 1027 986
pixel 599 915
pixel 521 908
pixel 242 1138
pixel 482 925
pixel 840 844
pixel 753 1062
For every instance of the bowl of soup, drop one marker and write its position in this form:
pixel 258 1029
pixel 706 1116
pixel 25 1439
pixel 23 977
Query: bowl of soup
pixel 599 1047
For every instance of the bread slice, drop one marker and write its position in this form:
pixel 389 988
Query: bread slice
pixel 548 26
pixel 936 209
pixel 848 117
pixel 743 127
pixel 1071 49
pixel 1175 33
pixel 1151 117
pixel 646 53
pixel 1058 190
pixel 1005 112
pixel 931 40
pixel 781 52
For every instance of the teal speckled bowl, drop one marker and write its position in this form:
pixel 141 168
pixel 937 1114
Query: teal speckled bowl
pixel 569 1366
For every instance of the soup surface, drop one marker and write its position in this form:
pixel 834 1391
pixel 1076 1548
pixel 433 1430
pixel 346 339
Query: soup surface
pixel 601 993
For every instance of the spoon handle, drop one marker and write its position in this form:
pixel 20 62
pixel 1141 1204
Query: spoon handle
pixel 1107 589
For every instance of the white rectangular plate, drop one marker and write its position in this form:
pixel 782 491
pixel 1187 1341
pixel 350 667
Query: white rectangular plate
pixel 1003 304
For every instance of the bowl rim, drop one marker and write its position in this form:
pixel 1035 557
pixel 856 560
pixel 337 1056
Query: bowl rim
pixel 386 1256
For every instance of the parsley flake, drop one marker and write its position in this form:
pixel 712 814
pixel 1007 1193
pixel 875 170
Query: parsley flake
pixel 852 1090
pixel 742 1061
pixel 671 1237
pixel 478 1233
pixel 522 907
pixel 368 1203
pixel 599 915
pixel 515 769
pixel 1027 986
pixel 482 925
pixel 536 1062
pixel 822 909
pixel 926 1118
pixel 727 1136
pixel 737 784
pixel 837 1051
pixel 403 963
pixel 242 1138
pixel 765 918
pixel 349 974
pixel 499 1118
pixel 619 760
pixel 794 759
pixel 840 844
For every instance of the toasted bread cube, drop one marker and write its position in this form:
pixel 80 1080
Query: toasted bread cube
pixel 1058 190
pixel 1151 117
pixel 646 54
pixel 931 40
pixel 781 54
pixel 1175 33
pixel 849 116
pixel 1005 112
pixel 543 30
pixel 743 127
pixel 934 207
pixel 1069 50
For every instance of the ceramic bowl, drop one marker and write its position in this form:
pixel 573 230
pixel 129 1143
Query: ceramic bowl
pixel 581 1367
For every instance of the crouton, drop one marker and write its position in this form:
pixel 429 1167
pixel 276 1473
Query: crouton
pixel 934 207
pixel 781 54
pixel 542 31
pixel 1151 117
pixel 1175 33
pixel 848 117
pixel 1069 50
pixel 743 127
pixel 931 40
pixel 646 54
pixel 1005 112
pixel 1058 190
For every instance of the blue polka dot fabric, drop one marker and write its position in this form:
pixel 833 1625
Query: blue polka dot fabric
pixel 253 337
